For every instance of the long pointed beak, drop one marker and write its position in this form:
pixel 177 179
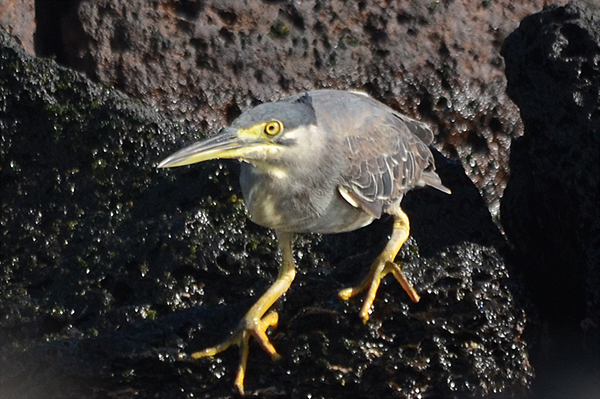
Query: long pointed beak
pixel 226 144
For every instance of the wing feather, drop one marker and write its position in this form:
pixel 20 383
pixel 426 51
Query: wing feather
pixel 387 156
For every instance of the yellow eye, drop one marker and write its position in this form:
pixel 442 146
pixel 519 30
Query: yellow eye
pixel 273 128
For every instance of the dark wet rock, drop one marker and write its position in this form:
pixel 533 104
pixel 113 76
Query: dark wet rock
pixel 113 271
pixel 551 206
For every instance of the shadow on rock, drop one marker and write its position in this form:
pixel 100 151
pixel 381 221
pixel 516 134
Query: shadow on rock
pixel 550 207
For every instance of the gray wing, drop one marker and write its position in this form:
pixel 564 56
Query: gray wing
pixel 387 156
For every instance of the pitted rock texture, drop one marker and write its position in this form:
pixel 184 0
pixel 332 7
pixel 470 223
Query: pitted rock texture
pixel 207 61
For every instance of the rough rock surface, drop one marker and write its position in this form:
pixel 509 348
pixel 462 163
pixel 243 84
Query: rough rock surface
pixel 112 271
pixel 551 206
pixel 18 18
pixel 207 61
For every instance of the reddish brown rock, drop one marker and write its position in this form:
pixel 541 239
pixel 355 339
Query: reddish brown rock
pixel 205 62
pixel 17 17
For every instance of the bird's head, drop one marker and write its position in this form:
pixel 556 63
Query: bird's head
pixel 265 134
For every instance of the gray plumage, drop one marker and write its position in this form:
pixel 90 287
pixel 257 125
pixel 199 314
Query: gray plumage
pixel 350 159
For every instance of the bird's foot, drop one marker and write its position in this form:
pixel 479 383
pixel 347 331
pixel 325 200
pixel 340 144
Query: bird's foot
pixel 250 325
pixel 380 268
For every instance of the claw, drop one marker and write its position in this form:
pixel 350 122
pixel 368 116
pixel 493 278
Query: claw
pixel 249 326
pixel 382 266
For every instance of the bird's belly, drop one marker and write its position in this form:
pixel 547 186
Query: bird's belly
pixel 300 211
pixel 338 217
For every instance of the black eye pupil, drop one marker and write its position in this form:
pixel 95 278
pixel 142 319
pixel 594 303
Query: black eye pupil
pixel 272 128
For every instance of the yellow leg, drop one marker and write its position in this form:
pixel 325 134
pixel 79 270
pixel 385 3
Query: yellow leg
pixel 254 324
pixel 383 265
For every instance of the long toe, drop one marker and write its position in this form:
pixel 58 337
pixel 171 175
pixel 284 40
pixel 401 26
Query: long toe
pixel 236 339
pixel 259 332
pixel 396 270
